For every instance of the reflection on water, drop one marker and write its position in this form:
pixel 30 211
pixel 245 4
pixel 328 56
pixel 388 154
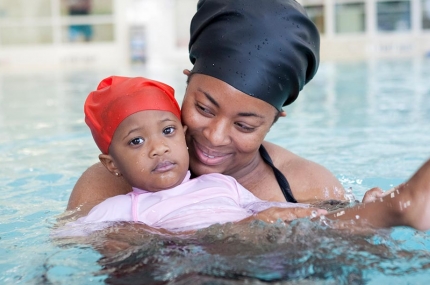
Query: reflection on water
pixel 368 122
pixel 257 252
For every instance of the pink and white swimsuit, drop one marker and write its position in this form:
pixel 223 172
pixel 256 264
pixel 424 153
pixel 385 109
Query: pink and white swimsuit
pixel 194 204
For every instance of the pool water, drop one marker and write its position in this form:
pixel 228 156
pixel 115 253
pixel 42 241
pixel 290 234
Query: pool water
pixel 367 122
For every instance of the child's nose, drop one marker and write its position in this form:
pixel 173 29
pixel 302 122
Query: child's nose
pixel 159 148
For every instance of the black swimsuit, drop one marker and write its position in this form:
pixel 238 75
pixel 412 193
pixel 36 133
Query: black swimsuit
pixel 282 181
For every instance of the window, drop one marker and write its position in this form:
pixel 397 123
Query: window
pixel 350 18
pixel 26 35
pixel 87 20
pixel 12 9
pixel 426 14
pixel 393 16
pixel 25 22
pixel 86 7
pixel 36 29
pixel 316 14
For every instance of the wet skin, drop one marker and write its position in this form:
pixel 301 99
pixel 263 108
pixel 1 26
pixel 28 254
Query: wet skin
pixel 217 115
pixel 225 129
pixel 148 149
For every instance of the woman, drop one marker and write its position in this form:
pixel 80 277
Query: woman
pixel 250 58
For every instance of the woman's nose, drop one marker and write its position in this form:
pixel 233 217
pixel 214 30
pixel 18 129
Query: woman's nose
pixel 217 133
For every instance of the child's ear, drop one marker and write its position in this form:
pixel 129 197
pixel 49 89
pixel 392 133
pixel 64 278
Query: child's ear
pixel 108 162
pixel 185 129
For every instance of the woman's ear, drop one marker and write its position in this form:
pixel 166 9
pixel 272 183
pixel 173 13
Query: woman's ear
pixel 187 72
pixel 108 162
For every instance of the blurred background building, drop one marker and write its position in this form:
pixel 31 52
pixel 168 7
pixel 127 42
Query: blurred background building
pixel 75 33
pixel 357 29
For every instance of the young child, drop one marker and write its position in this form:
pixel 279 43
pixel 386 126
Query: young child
pixel 136 123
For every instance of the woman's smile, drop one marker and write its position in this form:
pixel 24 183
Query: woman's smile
pixel 208 156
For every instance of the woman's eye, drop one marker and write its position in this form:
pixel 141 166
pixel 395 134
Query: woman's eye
pixel 245 128
pixel 137 141
pixel 169 130
pixel 203 109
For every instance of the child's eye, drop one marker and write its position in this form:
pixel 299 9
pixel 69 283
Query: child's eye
pixel 169 130
pixel 136 141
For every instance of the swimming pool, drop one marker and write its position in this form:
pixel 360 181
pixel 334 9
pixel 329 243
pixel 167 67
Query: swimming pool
pixel 368 122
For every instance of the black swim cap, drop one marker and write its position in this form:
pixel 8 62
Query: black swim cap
pixel 268 49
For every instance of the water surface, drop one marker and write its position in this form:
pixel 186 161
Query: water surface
pixel 367 122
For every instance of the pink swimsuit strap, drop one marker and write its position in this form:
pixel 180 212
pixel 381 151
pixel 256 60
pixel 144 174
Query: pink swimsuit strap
pixel 134 202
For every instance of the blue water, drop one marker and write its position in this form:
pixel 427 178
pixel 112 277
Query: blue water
pixel 367 122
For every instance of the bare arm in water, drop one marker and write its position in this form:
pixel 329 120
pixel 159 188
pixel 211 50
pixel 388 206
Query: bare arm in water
pixel 94 186
pixel 406 205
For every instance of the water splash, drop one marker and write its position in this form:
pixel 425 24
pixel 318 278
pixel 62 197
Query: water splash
pixel 258 252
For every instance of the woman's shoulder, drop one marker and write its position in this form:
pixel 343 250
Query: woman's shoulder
pixel 308 180
pixel 285 159
pixel 292 165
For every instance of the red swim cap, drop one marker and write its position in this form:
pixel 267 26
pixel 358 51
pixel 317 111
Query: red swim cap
pixel 118 97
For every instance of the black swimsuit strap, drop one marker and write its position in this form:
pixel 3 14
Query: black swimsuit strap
pixel 282 180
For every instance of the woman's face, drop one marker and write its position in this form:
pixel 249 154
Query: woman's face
pixel 225 126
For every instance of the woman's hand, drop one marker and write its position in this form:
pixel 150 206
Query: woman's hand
pixel 377 193
pixel 271 215
pixel 373 194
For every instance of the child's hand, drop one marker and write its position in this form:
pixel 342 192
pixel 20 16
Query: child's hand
pixel 373 194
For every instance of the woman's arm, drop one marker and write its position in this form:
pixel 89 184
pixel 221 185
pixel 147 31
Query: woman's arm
pixel 94 186
pixel 407 205
pixel 309 181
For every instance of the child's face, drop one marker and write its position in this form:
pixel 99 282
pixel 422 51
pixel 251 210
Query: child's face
pixel 149 150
